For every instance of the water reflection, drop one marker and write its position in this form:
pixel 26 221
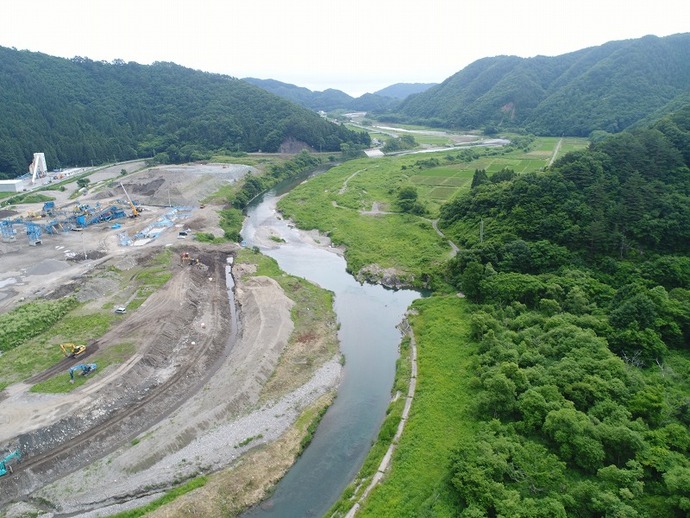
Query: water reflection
pixel 368 316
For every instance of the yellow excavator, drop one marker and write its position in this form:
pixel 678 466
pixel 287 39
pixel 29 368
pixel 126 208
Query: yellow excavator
pixel 72 350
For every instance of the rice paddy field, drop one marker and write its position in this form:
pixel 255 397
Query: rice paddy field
pixel 439 184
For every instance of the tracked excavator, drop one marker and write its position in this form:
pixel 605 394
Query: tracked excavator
pixel 72 350
pixel 85 368
pixel 7 463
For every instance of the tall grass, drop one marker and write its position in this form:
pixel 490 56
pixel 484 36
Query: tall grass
pixel 30 320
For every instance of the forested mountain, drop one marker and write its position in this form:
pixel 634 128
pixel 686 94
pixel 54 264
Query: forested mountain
pixel 609 88
pixel 402 90
pixel 328 100
pixel 580 279
pixel 80 111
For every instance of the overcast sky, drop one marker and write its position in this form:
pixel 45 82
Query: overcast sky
pixel 356 46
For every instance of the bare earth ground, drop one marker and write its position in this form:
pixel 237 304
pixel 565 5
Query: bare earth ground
pixel 188 400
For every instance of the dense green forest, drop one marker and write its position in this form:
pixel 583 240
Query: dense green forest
pixel 579 279
pixel 607 88
pixel 80 112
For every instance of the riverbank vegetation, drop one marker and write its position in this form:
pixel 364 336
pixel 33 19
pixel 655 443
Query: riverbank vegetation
pixel 236 196
pixel 440 413
pixel 358 205
pixel 559 385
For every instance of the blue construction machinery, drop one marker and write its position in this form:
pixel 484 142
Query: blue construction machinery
pixel 48 208
pixel 85 368
pixel 8 233
pixel 9 460
pixel 60 221
pixel 34 231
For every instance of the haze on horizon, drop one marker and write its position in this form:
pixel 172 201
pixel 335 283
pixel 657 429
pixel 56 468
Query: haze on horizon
pixel 354 46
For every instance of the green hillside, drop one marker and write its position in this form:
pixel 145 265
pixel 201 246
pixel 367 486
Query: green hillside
pixel 558 385
pixel 80 111
pixel 608 88
pixel 579 282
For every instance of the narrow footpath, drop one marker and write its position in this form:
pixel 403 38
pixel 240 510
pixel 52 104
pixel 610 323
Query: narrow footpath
pixel 385 462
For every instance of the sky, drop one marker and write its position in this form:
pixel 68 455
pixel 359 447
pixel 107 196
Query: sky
pixel 356 46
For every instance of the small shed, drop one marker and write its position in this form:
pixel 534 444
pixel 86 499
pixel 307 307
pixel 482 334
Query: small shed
pixel 374 153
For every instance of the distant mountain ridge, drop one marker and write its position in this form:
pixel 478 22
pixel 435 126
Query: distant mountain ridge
pixel 609 88
pixel 403 90
pixel 330 99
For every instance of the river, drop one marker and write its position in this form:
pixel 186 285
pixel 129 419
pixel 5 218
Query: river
pixel 368 316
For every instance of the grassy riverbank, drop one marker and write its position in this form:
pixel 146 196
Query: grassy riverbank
pixel 356 204
pixel 440 414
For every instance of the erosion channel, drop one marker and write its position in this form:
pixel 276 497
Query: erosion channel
pixel 369 339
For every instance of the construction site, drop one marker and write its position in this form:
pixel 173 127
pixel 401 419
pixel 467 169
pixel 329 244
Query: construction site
pixel 172 388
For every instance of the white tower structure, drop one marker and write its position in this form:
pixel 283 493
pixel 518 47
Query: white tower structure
pixel 38 167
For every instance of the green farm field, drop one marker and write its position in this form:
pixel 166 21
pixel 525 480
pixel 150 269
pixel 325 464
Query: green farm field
pixel 440 184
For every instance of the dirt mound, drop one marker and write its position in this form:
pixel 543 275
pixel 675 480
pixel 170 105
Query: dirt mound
pixel 146 189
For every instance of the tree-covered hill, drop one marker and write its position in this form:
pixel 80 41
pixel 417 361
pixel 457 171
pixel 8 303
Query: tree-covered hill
pixel 625 196
pixel 80 111
pixel 328 100
pixel 579 279
pixel 607 88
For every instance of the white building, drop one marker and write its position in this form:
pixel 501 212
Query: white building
pixel 11 185
pixel 374 153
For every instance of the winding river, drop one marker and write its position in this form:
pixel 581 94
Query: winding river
pixel 368 316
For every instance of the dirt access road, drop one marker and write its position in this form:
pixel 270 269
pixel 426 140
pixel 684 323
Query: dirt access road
pixel 187 400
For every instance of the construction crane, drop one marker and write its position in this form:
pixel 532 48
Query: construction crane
pixel 135 212
pixel 6 463
pixel 85 368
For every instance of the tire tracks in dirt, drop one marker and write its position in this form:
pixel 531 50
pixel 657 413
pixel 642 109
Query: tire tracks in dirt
pixel 171 313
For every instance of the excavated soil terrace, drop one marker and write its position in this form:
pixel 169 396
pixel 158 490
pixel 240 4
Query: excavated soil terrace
pixel 187 400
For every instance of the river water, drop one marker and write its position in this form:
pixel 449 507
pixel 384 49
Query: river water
pixel 368 316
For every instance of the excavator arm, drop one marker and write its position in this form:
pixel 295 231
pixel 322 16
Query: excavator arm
pixel 85 368
pixel 72 350
pixel 8 461
pixel 135 212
